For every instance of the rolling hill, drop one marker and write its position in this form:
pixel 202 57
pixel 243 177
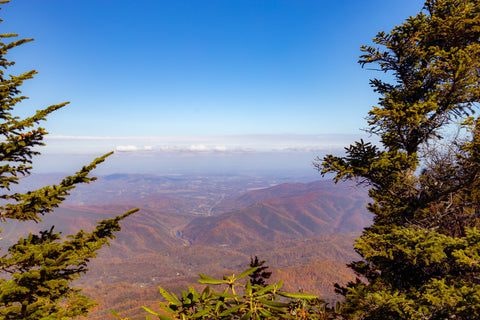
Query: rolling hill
pixel 212 225
pixel 288 211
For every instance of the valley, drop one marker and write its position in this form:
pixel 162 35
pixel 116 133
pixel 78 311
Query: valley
pixel 209 224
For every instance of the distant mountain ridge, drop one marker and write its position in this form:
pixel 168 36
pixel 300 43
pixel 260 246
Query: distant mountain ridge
pixel 287 211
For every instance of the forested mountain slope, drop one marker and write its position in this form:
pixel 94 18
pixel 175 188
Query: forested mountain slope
pixel 187 225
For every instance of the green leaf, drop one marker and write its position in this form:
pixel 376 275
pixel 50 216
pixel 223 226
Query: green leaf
pixel 218 304
pixel 271 303
pixel 247 315
pixel 226 295
pixel 265 289
pixel 150 311
pixel 280 284
pixel 247 272
pixel 116 315
pixel 265 313
pixel 207 280
pixel 230 311
pixel 304 296
pixel 201 313
pixel 172 299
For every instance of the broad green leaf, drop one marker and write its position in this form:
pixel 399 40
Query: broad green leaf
pixel 218 305
pixel 171 298
pixel 226 295
pixel 116 315
pixel 271 303
pixel 279 284
pixel 265 313
pixel 150 311
pixel 297 295
pixel 247 315
pixel 247 272
pixel 207 280
pixel 201 313
pixel 265 289
pixel 279 309
pixel 230 311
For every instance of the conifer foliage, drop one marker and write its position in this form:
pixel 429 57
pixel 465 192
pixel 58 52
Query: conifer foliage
pixel 36 272
pixel 421 256
pixel 260 274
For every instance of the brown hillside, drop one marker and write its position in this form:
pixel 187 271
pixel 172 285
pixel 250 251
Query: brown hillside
pixel 290 217
pixel 237 202
pixel 145 231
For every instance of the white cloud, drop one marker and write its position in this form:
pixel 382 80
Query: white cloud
pixel 133 148
pixel 127 148
pixel 220 148
pixel 198 148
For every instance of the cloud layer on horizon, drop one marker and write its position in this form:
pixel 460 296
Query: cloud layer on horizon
pixel 201 144
pixel 199 154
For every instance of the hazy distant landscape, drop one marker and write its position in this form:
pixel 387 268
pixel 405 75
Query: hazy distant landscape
pixel 207 223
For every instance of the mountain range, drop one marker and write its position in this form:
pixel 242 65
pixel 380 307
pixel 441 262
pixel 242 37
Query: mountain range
pixel 213 225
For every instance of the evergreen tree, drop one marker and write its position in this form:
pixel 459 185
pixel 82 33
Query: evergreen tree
pixel 37 271
pixel 421 256
pixel 260 274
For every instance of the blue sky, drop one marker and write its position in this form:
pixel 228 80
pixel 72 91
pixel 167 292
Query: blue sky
pixel 153 75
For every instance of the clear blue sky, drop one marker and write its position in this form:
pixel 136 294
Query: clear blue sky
pixel 174 68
